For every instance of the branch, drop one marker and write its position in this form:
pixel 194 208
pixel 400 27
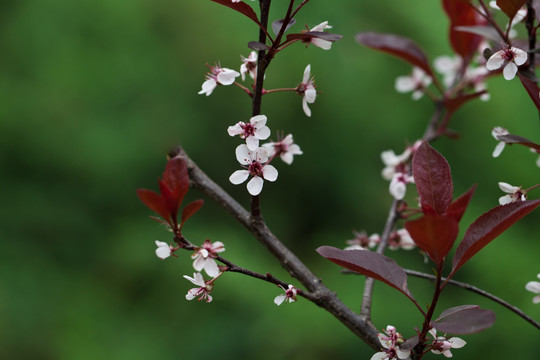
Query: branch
pixel 480 292
pixel 316 292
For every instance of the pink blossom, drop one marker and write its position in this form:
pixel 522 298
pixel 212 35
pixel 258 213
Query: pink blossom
pixel 417 82
pixel 203 291
pixel 255 163
pixel 362 242
pixel 249 66
pixel 321 43
pixel 218 76
pixel 285 148
pixel 442 345
pixel 400 239
pixel 534 286
pixel 495 132
pixel 307 90
pixel 252 132
pixel 289 295
pixel 164 250
pixel 514 194
pixel 205 255
pixel 510 59
pixel 398 185
pixel 390 341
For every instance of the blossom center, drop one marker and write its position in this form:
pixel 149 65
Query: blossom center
pixel 249 130
pixel 508 55
pixel 255 168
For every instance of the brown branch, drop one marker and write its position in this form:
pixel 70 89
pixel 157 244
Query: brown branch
pixel 316 292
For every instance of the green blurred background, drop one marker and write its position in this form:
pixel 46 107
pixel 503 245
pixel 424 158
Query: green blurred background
pixel 94 93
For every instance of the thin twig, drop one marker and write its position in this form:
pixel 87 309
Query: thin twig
pixel 480 292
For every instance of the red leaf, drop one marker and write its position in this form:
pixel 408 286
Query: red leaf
pixel 465 319
pixel 432 177
pixel 458 207
pixel 516 139
pixel 241 7
pixel 510 7
pixel 370 264
pixel 532 89
pixel 190 209
pixel 176 178
pixel 155 202
pixel 397 46
pixel 435 234
pixel 461 13
pixel 487 227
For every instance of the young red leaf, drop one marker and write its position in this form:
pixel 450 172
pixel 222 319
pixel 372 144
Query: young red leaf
pixel 190 209
pixel 241 7
pixel 370 264
pixel 435 234
pixel 532 89
pixel 432 177
pixel 487 227
pixel 398 46
pixel 510 7
pixel 176 178
pixel 463 14
pixel 466 319
pixel 458 207
pixel 516 139
pixel 155 202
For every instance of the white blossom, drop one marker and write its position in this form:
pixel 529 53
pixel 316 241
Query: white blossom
pixel 510 59
pixel 163 250
pixel 513 194
pixel 249 66
pixel 307 90
pixel 252 132
pixel 203 289
pixel 204 257
pixel 442 345
pixel 218 76
pixel 417 82
pixel 289 295
pixel 255 163
pixel 321 43
pixel 285 148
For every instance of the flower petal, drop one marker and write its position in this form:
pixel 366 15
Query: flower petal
pixel 278 300
pixel 520 56
pixel 498 149
pixel 208 86
pixel 243 155
pixel 255 185
pixel 496 61
pixel 211 267
pixel 305 106
pixel 533 286
pixel 252 143
pixel 258 121
pixel 239 176
pixel 510 70
pixel 270 173
pixel 307 74
pixel 263 133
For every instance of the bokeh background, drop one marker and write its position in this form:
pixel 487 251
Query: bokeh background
pixel 94 93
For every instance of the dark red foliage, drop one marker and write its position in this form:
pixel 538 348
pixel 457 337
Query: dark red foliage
pixel 510 7
pixel 370 264
pixel 487 227
pixel 516 139
pixel 465 319
pixel 173 186
pixel 398 46
pixel 461 13
pixel 241 7
pixel 435 234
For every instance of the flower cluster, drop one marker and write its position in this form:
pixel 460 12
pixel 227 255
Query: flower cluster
pixel 256 159
pixel 390 342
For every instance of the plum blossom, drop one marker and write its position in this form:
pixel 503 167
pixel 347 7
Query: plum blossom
pixel 321 43
pixel 496 132
pixel 442 345
pixel 390 341
pixel 449 68
pixel 249 65
pixel 285 148
pixel 534 286
pixel 290 295
pixel 398 185
pixel 510 58
pixel 203 291
pixel 394 163
pixel 255 163
pixel 218 76
pixel 164 250
pixel 417 82
pixel 400 239
pixel 307 90
pixel 205 255
pixel 362 242
pixel 252 132
pixel 513 193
